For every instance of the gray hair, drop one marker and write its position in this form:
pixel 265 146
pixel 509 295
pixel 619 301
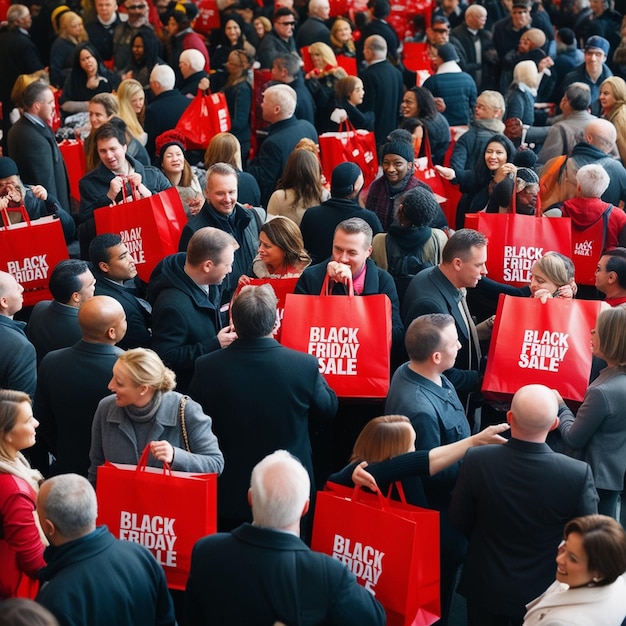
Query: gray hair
pixel 194 58
pixel 280 488
pixel 164 75
pixel 593 180
pixel 254 311
pixel 71 505
pixel 355 225
pixel 579 96
pixel 221 169
pixel 283 96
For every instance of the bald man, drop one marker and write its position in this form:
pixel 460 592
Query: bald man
pixel 18 360
pixel 73 380
pixel 512 502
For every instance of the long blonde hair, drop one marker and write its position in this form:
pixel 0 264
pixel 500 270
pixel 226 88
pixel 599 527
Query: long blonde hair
pixel 127 90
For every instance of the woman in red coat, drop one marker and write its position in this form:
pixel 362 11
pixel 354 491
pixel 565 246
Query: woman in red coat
pixel 21 539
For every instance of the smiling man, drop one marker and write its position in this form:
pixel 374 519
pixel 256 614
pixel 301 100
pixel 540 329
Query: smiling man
pixel 103 186
pixel 350 261
pixel 221 210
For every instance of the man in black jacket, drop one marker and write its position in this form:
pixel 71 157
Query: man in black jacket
pixel 116 276
pixel 284 581
pixel 119 176
pixel 271 414
pixel 319 222
pixel 73 380
pixel 221 210
pixel 184 291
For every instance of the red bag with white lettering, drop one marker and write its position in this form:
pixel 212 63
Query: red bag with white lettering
pixel 281 287
pixel 516 241
pixel 350 336
pixel 588 245
pixel 546 344
pixel 166 511
pixel 391 547
pixel 349 144
pixel 150 227
pixel 29 250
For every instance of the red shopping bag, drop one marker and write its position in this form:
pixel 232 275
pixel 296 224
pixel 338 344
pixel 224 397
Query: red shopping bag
pixel 206 116
pixel 391 547
pixel 30 250
pixel 166 511
pixel 516 241
pixel 208 17
pixel 539 343
pixel 447 194
pixel 281 287
pixel 150 227
pixel 73 152
pixel 357 146
pixel 588 245
pixel 350 336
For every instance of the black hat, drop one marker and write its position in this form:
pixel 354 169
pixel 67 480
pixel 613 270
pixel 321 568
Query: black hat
pixel 447 52
pixel 343 178
pixel 8 167
pixel 398 145
pixel 567 36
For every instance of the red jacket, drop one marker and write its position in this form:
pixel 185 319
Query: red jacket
pixel 585 211
pixel 21 549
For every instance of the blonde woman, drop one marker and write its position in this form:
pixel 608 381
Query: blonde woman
pixel 143 409
pixel 341 38
pixel 71 32
pixel 521 96
pixel 132 102
pixel 613 102
pixel 321 81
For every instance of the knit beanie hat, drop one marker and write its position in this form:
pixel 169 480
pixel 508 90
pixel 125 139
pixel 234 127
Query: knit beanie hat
pixel 8 167
pixel 343 178
pixel 167 139
pixel 399 146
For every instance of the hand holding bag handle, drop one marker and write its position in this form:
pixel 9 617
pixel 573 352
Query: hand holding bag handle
pixel 143 462
pixel 327 289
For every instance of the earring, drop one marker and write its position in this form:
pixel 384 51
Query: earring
pixel 595 579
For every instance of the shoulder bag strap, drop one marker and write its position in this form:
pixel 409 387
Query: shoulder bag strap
pixel 183 402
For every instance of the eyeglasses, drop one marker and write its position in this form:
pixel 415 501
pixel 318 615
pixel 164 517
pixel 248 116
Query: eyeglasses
pixel 136 7
pixel 441 30
pixel 286 23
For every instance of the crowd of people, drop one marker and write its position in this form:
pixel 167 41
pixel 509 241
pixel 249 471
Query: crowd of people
pixel 509 106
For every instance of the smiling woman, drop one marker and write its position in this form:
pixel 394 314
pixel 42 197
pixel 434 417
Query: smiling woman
pixel 144 410
pixel 87 78
pixel 589 588
pixel 21 543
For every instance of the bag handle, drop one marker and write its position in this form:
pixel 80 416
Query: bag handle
pixel 18 209
pixel 381 499
pixel 143 462
pixel 133 190
pixel 327 291
pixel 349 126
